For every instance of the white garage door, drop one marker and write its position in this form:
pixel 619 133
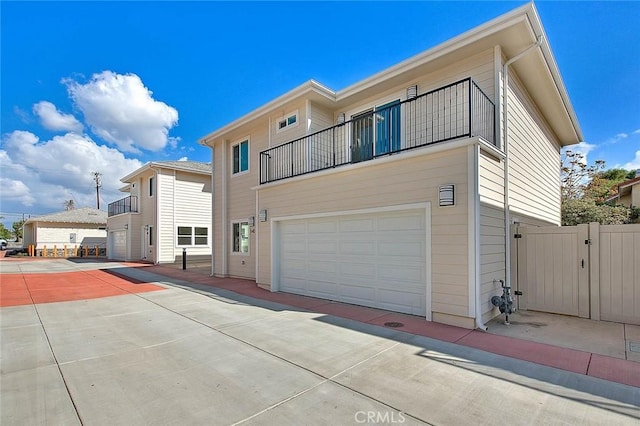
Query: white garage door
pixel 118 245
pixel 373 259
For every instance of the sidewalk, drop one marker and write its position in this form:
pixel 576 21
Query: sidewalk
pixel 592 348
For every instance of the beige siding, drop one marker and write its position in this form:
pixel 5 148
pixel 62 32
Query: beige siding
pixel 534 159
pixel 404 181
pixel 321 118
pixel 166 192
pixel 491 181
pixel 278 137
pixel 492 257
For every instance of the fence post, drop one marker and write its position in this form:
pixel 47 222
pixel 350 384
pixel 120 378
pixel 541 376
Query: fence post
pixel 594 269
pixel 64 250
pixel 97 251
pixel 75 250
pixel 583 271
pixel 86 251
pixel 55 250
pixel 44 251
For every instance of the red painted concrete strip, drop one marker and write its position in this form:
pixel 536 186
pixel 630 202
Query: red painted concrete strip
pixel 551 356
pixel 25 289
pixel 615 370
pixel 422 327
pixel 344 310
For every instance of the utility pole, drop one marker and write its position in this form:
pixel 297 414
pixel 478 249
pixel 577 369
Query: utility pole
pixel 96 178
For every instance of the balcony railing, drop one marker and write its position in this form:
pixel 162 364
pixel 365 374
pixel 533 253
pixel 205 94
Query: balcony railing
pixel 126 205
pixel 454 111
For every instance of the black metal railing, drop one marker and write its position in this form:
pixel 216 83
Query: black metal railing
pixel 126 205
pixel 458 110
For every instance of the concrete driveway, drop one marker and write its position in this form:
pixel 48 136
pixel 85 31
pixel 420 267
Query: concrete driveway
pixel 192 354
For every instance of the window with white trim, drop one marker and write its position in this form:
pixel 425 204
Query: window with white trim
pixel 241 157
pixel 288 121
pixel 193 236
pixel 241 233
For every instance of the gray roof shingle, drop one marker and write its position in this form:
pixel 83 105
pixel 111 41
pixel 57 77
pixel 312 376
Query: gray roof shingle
pixel 82 215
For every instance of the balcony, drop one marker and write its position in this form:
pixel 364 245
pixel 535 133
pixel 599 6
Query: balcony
pixel 126 205
pixel 454 111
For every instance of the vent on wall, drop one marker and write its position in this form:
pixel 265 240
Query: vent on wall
pixel 412 91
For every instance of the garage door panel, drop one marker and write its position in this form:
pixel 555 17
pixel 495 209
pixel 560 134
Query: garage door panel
pixel 357 225
pixel 358 248
pixel 118 245
pixel 322 247
pixel 374 259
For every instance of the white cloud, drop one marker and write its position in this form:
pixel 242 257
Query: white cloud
pixel 183 159
pixel 121 110
pixel 583 148
pixel 53 119
pixel 47 173
pixel 636 132
pixel 633 164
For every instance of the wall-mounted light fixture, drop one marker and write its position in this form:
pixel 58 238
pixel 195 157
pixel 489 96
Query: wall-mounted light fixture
pixel 252 221
pixel 263 215
pixel 446 195
pixel 340 119
pixel 126 226
pixel 146 227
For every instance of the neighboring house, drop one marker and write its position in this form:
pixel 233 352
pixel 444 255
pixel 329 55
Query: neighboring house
pixel 168 209
pixel 391 192
pixel 76 227
pixel 628 192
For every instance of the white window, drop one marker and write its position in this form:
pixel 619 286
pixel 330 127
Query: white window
pixel 193 236
pixel 241 237
pixel 241 157
pixel 289 120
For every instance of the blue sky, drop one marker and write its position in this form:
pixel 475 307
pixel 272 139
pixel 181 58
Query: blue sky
pixel 108 86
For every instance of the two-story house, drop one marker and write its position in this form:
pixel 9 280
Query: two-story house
pixel 168 209
pixel 398 192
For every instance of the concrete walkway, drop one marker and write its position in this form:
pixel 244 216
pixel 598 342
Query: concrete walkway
pixel 195 353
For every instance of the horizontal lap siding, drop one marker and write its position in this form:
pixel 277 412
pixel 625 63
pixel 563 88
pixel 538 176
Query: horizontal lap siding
pixel 165 231
pixel 51 234
pixel 192 208
pixel 534 160
pixel 406 181
pixel 492 257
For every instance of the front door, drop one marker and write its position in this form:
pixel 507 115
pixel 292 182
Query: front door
pixel 362 137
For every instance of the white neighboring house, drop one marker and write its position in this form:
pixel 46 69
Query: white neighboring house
pixel 168 209
pixel 77 227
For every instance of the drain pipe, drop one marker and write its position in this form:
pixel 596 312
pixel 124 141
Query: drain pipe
pixel 505 132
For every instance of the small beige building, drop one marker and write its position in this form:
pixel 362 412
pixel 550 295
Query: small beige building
pixel 168 210
pixel 628 192
pixel 398 192
pixel 70 228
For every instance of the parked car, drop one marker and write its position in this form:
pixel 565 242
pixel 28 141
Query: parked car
pixel 3 244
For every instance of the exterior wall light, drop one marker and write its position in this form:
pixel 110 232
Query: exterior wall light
pixel 446 195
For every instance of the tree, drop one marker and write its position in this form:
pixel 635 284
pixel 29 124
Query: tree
pixel 575 174
pixel 4 232
pixel 585 189
pixel 17 229
pixel 69 204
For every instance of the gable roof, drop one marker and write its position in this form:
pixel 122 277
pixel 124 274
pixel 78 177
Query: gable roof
pixel 513 32
pixel 624 188
pixel 186 166
pixel 82 215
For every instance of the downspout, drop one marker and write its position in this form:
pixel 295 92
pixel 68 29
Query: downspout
pixel 505 132
pixel 213 213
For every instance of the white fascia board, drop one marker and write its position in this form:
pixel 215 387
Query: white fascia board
pixel 152 165
pixel 310 86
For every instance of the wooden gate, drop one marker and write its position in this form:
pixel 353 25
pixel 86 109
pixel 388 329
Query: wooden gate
pixel 553 269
